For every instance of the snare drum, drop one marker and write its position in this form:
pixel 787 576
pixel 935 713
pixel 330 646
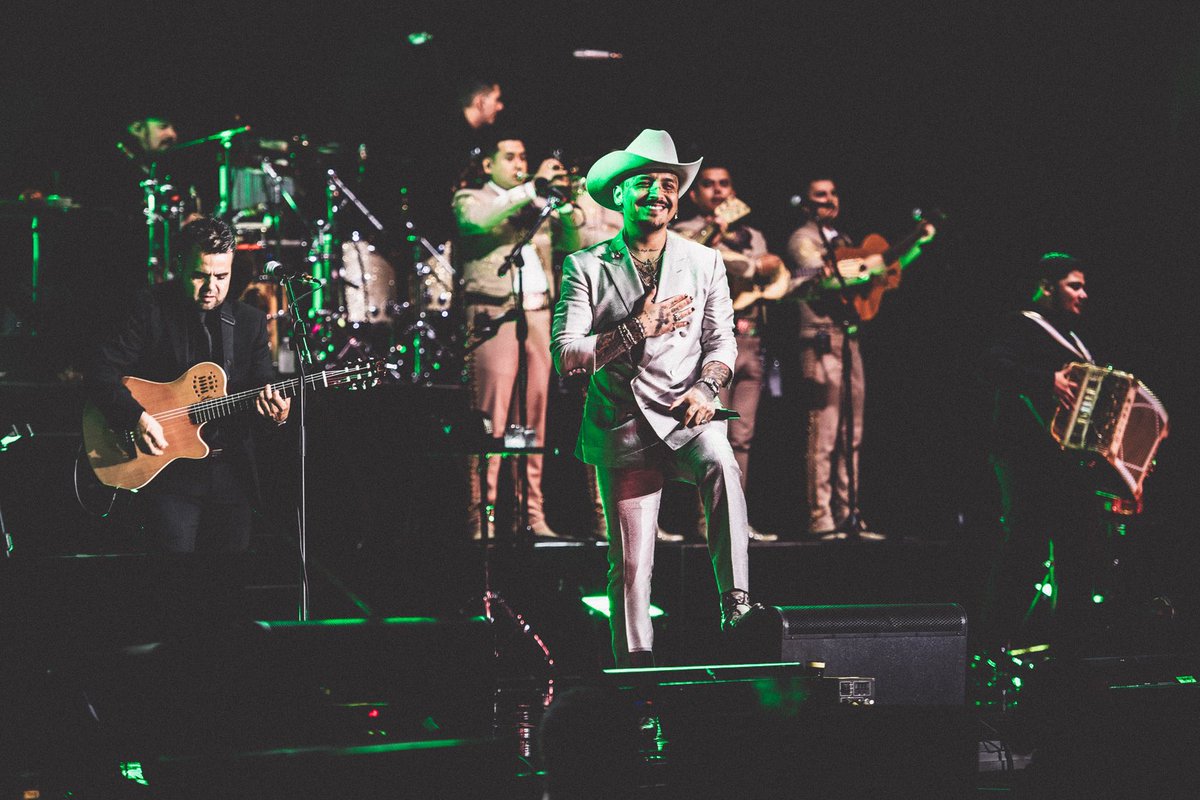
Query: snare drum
pixel 368 283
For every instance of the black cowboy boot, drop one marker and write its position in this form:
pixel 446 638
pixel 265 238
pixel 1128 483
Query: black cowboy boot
pixel 735 605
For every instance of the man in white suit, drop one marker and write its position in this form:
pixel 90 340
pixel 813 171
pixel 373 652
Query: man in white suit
pixel 647 315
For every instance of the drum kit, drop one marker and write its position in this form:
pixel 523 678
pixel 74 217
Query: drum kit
pixel 375 295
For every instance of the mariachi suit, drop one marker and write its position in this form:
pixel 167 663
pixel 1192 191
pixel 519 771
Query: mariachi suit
pixel 191 504
pixel 488 227
pixel 828 476
pixel 629 432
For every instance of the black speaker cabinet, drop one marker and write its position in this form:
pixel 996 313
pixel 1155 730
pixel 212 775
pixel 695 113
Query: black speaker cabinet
pixel 917 654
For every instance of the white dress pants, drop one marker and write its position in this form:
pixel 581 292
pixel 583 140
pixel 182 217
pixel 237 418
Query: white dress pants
pixel 631 497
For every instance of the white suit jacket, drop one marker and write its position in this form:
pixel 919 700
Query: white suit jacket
pixel 627 404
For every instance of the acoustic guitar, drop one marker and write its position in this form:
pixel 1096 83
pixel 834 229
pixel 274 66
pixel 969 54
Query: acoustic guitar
pixel 873 268
pixel 182 407
pixel 744 292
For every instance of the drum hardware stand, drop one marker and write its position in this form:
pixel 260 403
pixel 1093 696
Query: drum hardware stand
pixel 849 321
pixel 279 196
pixel 515 258
pixel 334 186
pixel 225 137
pixel 158 229
pixel 156 272
pixel 422 332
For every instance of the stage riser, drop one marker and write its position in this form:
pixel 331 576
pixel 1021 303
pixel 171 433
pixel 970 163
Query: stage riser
pixel 135 595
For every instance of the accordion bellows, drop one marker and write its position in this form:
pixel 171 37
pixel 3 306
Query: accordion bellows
pixel 1115 417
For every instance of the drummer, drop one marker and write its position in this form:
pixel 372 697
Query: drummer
pixel 147 138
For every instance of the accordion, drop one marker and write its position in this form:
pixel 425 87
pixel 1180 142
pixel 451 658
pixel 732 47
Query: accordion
pixel 1115 417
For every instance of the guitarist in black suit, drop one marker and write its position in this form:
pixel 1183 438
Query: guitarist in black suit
pixel 193 504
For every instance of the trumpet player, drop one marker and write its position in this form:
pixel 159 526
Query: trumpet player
pixel 490 219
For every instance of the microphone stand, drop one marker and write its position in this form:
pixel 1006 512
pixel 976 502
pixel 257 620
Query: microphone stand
pixel 515 258
pixel 303 366
pixel 849 321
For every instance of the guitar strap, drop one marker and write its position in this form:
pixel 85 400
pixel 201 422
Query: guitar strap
pixel 1076 346
pixel 227 328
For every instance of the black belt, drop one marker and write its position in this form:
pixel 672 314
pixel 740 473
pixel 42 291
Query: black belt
pixel 477 299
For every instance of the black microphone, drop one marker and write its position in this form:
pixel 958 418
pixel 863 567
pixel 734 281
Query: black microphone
pixel 545 188
pixel 275 271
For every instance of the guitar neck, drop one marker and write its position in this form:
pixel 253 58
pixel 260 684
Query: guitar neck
pixel 217 407
pixel 893 253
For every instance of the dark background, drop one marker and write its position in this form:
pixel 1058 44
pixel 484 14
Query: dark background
pixel 1034 127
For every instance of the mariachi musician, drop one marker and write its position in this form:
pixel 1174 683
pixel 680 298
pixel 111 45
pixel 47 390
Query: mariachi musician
pixel 824 322
pixel 752 271
pixel 1043 496
pixel 491 218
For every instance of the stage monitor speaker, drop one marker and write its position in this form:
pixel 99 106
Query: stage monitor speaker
pixel 917 654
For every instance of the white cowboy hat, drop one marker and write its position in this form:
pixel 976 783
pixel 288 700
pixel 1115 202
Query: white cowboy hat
pixel 651 151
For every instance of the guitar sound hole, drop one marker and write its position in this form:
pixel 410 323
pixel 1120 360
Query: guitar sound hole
pixel 204 385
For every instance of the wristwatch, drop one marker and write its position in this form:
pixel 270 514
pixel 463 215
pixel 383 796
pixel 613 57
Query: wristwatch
pixel 711 383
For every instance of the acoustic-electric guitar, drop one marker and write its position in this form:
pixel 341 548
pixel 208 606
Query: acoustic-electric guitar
pixel 866 278
pixel 182 407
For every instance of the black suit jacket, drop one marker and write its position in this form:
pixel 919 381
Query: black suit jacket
pixel 1019 365
pixel 154 344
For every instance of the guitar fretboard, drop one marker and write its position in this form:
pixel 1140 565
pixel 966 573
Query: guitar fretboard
pixel 217 407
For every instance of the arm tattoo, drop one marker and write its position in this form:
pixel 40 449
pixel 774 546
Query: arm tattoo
pixel 608 347
pixel 718 372
pixel 619 340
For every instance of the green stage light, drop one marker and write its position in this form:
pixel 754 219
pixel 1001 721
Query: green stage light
pixel 1097 598
pixel 598 603
pixel 418 38
pixel 342 622
pixel 132 770
pixel 1035 648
